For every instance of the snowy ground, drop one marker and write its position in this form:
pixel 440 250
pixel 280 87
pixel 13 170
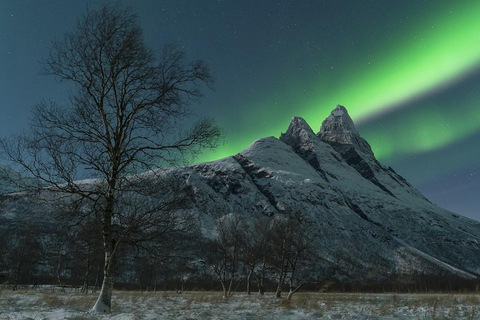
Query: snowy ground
pixel 208 305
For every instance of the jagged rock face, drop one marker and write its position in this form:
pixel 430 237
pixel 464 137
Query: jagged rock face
pixel 338 128
pixel 373 222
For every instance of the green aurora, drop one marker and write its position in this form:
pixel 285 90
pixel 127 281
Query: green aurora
pixel 408 71
pixel 422 58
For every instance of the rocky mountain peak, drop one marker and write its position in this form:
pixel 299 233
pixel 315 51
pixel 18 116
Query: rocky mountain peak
pixel 298 132
pixel 302 139
pixel 338 128
pixel 369 217
pixel 337 122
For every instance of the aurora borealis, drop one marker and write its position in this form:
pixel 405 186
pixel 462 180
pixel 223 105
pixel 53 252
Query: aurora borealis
pixel 407 71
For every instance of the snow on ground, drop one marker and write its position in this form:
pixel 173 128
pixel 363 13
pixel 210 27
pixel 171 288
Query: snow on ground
pixel 210 305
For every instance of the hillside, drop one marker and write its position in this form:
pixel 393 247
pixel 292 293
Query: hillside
pixel 372 225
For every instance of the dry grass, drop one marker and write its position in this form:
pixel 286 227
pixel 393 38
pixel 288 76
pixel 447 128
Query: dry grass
pixel 50 300
pixel 209 304
pixel 432 306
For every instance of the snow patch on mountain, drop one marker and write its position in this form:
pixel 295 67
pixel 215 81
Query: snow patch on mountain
pixel 372 223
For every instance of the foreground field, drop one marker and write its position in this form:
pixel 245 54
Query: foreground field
pixel 210 305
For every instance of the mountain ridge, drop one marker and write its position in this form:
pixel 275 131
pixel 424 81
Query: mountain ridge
pixel 373 224
pixel 339 183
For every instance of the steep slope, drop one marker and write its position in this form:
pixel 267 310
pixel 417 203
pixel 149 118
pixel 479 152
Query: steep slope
pixel 373 222
pixel 411 217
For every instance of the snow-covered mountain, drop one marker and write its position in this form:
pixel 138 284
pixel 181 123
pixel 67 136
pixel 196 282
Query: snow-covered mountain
pixel 373 223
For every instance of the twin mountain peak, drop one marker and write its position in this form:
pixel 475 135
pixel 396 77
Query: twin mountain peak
pixel 337 128
pixel 373 223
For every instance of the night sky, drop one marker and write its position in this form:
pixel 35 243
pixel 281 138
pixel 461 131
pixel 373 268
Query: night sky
pixel 407 71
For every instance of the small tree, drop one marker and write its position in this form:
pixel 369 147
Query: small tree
pixel 86 237
pixel 22 253
pixel 124 119
pixel 256 252
pixel 293 237
pixel 227 246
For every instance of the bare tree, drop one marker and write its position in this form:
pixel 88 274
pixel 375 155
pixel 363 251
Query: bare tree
pixel 23 252
pixel 256 251
pixel 87 245
pixel 293 237
pixel 124 119
pixel 227 245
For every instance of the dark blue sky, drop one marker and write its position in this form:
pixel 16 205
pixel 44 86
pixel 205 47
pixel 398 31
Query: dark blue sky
pixel 399 67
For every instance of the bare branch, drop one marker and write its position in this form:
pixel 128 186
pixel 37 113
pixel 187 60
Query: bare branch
pixel 125 118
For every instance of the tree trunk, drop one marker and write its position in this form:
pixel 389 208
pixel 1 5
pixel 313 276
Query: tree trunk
pixel 293 266
pixel 248 281
pixel 261 286
pixel 290 294
pixel 281 281
pixel 17 274
pixel 278 293
pixel 104 301
pixel 87 272
pixel 292 291
pixel 283 268
pixel 95 285
pixel 87 275
pixel 261 280
pixel 59 270
pixel 224 290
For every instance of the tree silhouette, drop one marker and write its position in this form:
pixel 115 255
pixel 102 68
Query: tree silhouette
pixel 124 118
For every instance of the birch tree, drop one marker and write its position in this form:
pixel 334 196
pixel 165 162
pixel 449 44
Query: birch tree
pixel 227 246
pixel 256 252
pixel 293 238
pixel 124 118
